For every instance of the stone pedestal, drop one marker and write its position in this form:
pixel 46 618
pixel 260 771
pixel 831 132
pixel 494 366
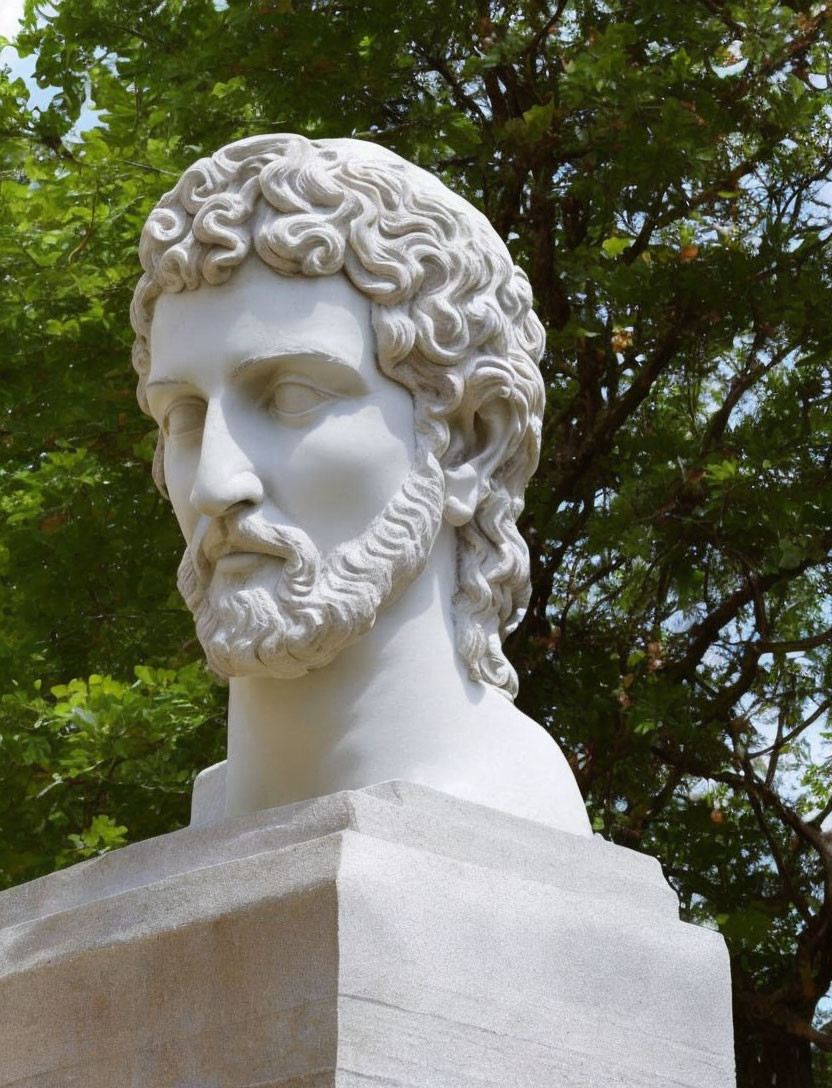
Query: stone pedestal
pixel 392 936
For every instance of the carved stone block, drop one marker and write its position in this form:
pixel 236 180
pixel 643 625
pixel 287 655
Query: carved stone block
pixel 391 936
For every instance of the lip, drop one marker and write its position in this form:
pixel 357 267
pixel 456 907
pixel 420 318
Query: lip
pixel 236 561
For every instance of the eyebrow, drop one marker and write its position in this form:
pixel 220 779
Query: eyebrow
pixel 286 356
pixel 291 355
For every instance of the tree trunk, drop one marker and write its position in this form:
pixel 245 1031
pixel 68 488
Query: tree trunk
pixel 772 1058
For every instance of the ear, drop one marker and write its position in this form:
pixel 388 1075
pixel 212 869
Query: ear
pixel 478 448
pixel 461 494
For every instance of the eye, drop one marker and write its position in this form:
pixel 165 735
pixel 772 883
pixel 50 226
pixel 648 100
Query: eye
pixel 294 399
pixel 183 418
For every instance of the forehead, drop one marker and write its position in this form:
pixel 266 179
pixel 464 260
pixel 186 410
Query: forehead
pixel 257 312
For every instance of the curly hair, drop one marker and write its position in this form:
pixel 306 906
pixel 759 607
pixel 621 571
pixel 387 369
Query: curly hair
pixel 452 315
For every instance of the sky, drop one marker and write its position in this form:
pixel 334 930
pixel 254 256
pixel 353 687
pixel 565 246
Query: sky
pixel 11 12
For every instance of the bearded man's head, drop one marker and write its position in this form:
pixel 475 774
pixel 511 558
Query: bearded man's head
pixel 453 324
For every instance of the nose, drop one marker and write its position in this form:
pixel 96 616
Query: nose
pixel 225 476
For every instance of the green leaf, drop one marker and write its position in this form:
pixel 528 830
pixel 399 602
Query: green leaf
pixel 539 120
pixel 615 246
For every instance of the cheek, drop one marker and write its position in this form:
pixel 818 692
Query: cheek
pixel 179 480
pixel 340 475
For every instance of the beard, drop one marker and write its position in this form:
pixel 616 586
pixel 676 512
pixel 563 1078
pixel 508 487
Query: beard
pixel 300 609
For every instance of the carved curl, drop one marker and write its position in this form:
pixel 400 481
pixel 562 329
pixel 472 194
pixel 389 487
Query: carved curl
pixel 451 312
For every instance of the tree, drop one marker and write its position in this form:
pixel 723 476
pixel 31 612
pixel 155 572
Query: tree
pixel 660 169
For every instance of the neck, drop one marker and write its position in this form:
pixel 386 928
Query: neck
pixel 387 707
pixel 398 704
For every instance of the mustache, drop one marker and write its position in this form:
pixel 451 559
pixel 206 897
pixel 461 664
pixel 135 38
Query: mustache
pixel 251 533
pixel 298 617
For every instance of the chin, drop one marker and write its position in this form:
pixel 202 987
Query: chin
pixel 250 632
pixel 230 664
pixel 289 621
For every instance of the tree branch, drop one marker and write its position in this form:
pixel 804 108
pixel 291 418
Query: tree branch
pixel 707 629
pixel 543 33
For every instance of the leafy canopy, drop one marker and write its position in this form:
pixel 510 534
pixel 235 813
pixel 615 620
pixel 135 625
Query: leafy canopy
pixel 660 169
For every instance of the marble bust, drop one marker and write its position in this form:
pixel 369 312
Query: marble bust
pixel 342 360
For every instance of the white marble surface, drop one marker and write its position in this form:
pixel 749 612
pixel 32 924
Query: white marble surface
pixel 342 359
pixel 390 936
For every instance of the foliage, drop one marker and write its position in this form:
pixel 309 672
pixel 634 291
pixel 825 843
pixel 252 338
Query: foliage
pixel 660 170
pixel 92 748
